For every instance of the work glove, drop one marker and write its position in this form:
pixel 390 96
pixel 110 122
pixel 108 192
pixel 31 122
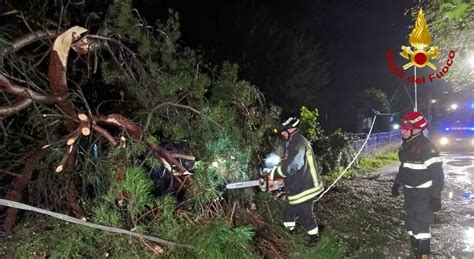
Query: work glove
pixel 435 204
pixel 395 188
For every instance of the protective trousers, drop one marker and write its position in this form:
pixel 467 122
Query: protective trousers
pixel 418 220
pixel 304 213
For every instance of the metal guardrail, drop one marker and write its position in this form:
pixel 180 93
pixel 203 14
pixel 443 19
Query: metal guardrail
pixel 377 142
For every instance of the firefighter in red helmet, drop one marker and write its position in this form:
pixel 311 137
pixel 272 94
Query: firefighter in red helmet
pixel 421 175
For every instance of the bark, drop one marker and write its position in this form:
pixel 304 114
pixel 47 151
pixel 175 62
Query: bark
pixel 120 121
pixel 105 134
pixel 123 161
pixel 24 92
pixel 26 40
pixel 26 97
pixel 58 85
pixel 19 185
pixel 160 152
pixel 57 72
pixel 15 108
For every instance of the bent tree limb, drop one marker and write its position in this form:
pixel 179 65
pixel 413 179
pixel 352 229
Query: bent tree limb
pixel 57 71
pixel 25 97
pixel 18 205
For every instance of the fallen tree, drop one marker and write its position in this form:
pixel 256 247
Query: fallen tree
pixel 84 131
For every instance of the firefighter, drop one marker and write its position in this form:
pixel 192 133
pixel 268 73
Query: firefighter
pixel 421 175
pixel 302 181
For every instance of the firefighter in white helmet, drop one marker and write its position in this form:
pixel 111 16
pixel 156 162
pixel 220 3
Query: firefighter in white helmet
pixel 302 180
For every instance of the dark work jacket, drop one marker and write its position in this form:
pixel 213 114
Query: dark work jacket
pixel 421 165
pixel 299 170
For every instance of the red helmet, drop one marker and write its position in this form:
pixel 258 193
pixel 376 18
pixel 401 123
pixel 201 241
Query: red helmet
pixel 414 120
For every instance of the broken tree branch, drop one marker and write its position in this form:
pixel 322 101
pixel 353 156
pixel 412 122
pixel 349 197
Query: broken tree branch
pixel 105 134
pixel 20 91
pixel 27 97
pixel 26 40
pixel 57 71
pixel 14 108
pixel 160 152
pixel 185 157
pixel 120 121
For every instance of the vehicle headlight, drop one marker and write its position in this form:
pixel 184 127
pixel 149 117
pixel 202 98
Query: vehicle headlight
pixel 443 141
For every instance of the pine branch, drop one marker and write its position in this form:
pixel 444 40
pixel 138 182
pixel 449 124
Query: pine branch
pixel 26 40
pixel 27 97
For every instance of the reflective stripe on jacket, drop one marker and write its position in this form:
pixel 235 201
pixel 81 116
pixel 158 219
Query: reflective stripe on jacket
pixel 421 165
pixel 299 170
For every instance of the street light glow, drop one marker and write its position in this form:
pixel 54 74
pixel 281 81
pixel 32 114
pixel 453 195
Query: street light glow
pixel 433 100
pixel 454 106
pixel 470 60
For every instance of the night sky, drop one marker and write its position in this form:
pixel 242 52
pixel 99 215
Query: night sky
pixel 355 36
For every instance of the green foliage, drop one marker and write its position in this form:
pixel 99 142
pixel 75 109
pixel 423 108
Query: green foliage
pixel 452 24
pixel 220 240
pixel 340 149
pixel 106 215
pixel 332 151
pixel 205 188
pixel 136 189
pixel 309 122
pixel 59 240
pixel 372 98
pixel 168 225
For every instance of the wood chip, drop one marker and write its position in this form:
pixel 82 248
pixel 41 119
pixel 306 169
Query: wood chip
pixel 71 141
pixel 82 117
pixel 158 249
pixel 59 169
pixel 86 131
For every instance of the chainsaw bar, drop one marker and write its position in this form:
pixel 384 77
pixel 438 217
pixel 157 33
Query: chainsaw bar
pixel 245 184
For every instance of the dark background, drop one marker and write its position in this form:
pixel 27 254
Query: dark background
pixel 354 37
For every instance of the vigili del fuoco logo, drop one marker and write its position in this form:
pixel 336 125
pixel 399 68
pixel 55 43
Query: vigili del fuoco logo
pixel 419 54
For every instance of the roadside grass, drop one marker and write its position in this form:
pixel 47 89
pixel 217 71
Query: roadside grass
pixel 369 163
pixel 366 163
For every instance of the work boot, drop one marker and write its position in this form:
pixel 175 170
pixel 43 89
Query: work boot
pixel 312 240
pixel 423 251
pixel 414 244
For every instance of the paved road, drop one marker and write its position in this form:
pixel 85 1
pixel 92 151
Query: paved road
pixel 453 231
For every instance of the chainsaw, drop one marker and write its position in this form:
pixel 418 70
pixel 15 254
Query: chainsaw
pixel 264 182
